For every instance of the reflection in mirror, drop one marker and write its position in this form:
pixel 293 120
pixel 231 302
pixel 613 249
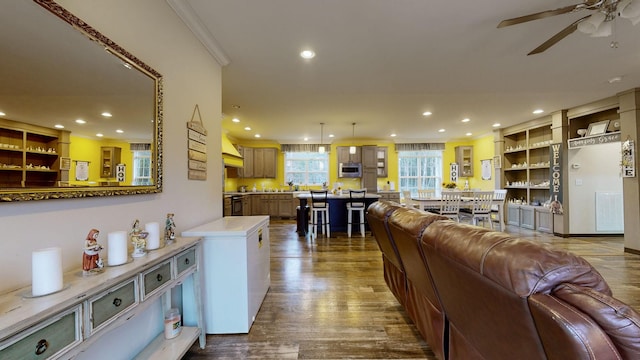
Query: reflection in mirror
pixel 79 115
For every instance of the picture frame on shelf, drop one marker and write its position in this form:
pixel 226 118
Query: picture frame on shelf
pixel 598 128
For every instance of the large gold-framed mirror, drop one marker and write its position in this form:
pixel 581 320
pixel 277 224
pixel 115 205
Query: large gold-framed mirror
pixel 54 73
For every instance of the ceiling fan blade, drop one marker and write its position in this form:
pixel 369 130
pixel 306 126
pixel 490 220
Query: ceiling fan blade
pixel 540 15
pixel 559 36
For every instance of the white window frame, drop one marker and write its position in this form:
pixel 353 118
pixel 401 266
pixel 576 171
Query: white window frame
pixel 138 178
pixel 423 179
pixel 304 177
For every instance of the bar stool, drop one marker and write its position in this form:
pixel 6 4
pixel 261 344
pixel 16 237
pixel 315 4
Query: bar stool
pixel 319 206
pixel 356 204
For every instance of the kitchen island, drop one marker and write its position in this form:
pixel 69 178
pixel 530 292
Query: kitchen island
pixel 337 211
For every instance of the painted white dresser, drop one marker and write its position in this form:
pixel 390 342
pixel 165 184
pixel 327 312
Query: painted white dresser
pixel 236 271
pixel 64 324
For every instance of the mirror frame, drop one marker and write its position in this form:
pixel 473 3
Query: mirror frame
pixel 92 34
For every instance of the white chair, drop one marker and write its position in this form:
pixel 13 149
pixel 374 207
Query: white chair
pixel 407 202
pixel 481 207
pixel 319 212
pixel 427 194
pixel 500 195
pixel 450 205
pixel 356 204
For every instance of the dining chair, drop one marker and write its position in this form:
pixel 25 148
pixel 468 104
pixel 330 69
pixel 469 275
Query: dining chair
pixel 356 204
pixel 427 194
pixel 450 205
pixel 407 202
pixel 499 195
pixel 319 212
pixel 480 208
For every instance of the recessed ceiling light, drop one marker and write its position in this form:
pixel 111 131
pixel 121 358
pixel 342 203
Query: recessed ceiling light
pixel 469 134
pixel 257 135
pixel 58 126
pixel 80 121
pixel 120 131
pixel 538 111
pixel 306 139
pixel 496 125
pixel 99 135
pixel 235 106
pixel 466 120
pixel 247 128
pixel 2 113
pixel 235 120
pixel 307 54
pixel 331 135
pixel 393 135
pixel 441 130
pixel 106 114
pixel 426 113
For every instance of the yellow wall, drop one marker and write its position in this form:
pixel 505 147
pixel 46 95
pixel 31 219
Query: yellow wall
pixel 482 149
pixel 84 149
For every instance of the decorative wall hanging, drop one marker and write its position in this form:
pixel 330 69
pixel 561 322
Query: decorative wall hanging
pixel 197 139
pixel 628 161
pixel 453 172
pixel 82 170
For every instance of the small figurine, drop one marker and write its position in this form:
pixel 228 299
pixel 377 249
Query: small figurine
pixel 138 240
pixel 91 261
pixel 169 229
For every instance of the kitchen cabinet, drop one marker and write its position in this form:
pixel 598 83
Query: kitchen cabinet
pixel 369 156
pixel 226 211
pixel 258 162
pixel 521 215
pixel 390 196
pixel 30 155
pixel 109 158
pixel 65 324
pixel 543 220
pixel 381 161
pixel 464 159
pixel 369 180
pixel 276 205
pixel 246 205
pixel 344 156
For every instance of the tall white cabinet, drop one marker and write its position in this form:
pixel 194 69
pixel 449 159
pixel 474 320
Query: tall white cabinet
pixel 236 271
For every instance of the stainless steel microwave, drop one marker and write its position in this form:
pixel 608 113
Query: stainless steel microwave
pixel 350 170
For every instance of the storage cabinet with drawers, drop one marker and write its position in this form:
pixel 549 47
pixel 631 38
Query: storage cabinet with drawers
pixel 52 326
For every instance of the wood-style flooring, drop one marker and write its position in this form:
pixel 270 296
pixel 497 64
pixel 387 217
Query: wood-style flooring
pixel 328 299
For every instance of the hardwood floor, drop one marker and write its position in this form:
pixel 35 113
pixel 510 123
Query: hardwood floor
pixel 328 299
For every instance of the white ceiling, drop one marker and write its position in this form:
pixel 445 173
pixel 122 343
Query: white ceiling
pixel 382 63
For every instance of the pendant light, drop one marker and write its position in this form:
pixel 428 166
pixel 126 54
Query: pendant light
pixel 321 147
pixel 352 149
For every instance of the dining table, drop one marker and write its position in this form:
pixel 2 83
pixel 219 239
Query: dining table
pixel 465 202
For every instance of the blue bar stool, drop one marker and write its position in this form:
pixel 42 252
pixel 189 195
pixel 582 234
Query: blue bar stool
pixel 356 204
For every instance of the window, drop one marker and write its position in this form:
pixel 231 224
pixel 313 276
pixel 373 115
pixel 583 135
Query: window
pixel 420 169
pixel 306 168
pixel 142 167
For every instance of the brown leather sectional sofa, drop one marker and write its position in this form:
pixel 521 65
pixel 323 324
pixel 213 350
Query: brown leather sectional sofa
pixel 474 293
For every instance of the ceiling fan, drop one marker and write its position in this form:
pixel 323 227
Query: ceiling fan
pixel 597 24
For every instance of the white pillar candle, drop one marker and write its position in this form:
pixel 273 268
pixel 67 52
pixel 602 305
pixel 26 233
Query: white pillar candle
pixel 116 248
pixel 46 271
pixel 153 237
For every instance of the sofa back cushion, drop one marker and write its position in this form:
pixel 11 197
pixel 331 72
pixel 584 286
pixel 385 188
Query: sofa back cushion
pixel 377 216
pixel 484 279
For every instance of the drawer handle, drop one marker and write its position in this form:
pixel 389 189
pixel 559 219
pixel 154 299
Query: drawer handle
pixel 41 347
pixel 186 261
pixel 117 302
pixel 159 277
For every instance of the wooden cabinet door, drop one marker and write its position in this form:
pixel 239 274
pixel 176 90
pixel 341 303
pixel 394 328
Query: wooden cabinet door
pixel 369 180
pixel 381 161
pixel 258 162
pixel 269 162
pixel 247 168
pixel 369 154
pixel 527 217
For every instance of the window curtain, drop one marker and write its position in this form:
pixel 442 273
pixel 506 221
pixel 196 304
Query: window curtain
pixel 139 146
pixel 303 147
pixel 419 146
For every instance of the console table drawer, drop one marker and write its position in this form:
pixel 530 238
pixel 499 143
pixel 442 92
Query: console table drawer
pixel 47 341
pixel 155 278
pixel 186 260
pixel 106 306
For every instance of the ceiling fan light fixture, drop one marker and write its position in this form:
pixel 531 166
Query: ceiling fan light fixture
pixel 630 9
pixel 591 24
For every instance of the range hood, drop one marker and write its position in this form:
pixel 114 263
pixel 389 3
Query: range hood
pixel 230 155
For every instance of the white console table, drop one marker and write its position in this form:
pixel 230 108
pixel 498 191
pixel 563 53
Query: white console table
pixel 236 271
pixel 63 324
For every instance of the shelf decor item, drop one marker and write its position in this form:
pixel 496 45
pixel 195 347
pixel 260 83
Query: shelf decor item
pixel 598 128
pixel 91 260
pixel 46 271
pixel 628 161
pixel 138 240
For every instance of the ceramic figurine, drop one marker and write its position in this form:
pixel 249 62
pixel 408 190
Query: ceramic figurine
pixel 138 240
pixel 169 229
pixel 91 261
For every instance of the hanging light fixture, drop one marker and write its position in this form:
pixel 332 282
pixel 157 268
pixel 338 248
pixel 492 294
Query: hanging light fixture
pixel 352 149
pixel 321 147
